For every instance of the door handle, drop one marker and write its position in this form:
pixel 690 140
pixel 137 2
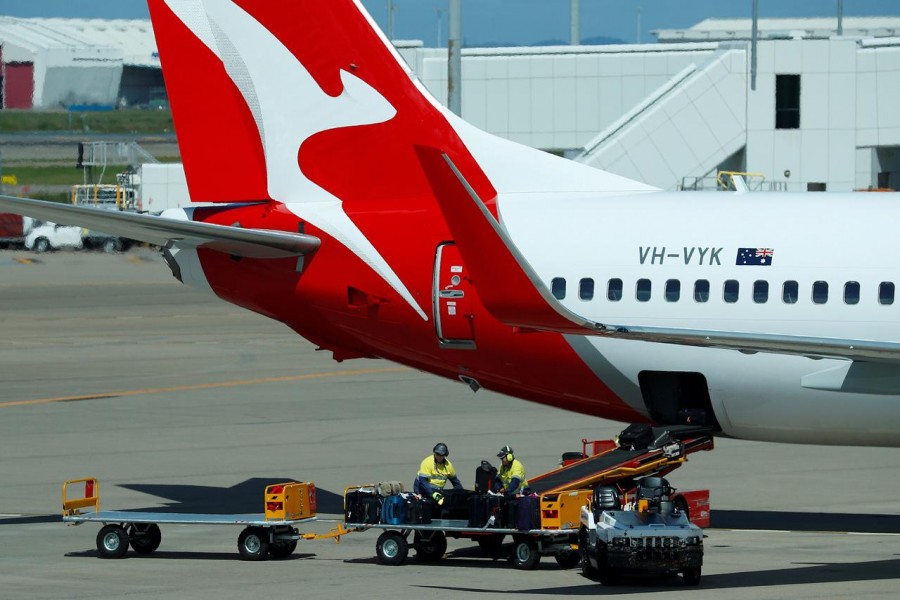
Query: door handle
pixel 452 294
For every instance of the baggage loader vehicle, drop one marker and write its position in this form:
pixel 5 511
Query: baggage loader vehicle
pixel 270 533
pixel 647 535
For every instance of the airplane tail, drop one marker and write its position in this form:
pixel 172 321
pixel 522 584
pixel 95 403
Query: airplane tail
pixel 307 101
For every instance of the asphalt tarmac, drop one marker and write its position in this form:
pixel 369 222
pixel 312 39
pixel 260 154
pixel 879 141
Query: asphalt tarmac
pixel 177 401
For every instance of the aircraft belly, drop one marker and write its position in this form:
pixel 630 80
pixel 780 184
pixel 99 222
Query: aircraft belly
pixel 759 396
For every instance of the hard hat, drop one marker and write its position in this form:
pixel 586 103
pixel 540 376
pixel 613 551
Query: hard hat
pixel 504 451
pixel 441 449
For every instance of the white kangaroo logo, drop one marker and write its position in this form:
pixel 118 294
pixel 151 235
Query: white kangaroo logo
pixel 289 107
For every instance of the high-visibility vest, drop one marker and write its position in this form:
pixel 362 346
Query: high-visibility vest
pixel 436 473
pixel 515 469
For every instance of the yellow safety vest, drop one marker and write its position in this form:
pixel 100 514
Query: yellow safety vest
pixel 436 473
pixel 514 470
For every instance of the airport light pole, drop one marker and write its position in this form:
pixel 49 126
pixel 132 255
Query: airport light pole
pixel 390 20
pixel 454 58
pixel 840 28
pixel 440 29
pixel 754 34
pixel 575 25
pixel 638 36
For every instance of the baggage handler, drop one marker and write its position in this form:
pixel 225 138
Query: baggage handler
pixel 511 475
pixel 434 473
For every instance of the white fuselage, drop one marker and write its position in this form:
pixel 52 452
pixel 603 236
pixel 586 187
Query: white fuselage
pixel 815 239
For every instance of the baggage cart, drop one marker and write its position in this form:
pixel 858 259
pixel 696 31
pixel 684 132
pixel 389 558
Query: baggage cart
pixel 270 533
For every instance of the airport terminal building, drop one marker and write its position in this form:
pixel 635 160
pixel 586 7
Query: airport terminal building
pixel 810 110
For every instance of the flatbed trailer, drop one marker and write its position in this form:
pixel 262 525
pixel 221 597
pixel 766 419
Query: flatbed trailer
pixel 270 533
pixel 430 542
pixel 562 493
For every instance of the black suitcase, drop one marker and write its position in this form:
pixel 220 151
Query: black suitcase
pixel 418 511
pixel 485 477
pixel 636 437
pixel 362 507
pixel 456 504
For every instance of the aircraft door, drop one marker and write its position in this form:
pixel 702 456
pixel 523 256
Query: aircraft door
pixel 453 316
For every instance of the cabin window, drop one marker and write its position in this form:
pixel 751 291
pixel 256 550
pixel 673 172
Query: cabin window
pixel 614 290
pixel 851 292
pixel 730 291
pixel 790 292
pixel 558 285
pixel 586 289
pixel 673 290
pixel 760 292
pixel 701 290
pixel 886 292
pixel 643 290
pixel 820 292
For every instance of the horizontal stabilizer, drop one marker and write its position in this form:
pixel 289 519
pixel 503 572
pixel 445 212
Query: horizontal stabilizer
pixel 164 231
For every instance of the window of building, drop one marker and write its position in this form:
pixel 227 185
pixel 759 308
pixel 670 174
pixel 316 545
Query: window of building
pixel 701 290
pixel 673 290
pixel 614 290
pixel 816 186
pixel 586 289
pixel 787 102
pixel 851 292
pixel 886 292
pixel 760 292
pixel 558 286
pixel 643 290
pixel 820 292
pixel 790 292
pixel 730 291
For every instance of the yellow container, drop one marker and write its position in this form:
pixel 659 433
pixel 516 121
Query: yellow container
pixel 562 510
pixel 290 501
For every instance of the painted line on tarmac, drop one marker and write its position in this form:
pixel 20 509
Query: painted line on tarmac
pixel 793 531
pixel 203 386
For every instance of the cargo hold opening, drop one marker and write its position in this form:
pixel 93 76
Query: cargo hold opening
pixel 677 398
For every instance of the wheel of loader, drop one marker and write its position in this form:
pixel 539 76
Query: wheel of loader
pixel 691 576
pixel 567 558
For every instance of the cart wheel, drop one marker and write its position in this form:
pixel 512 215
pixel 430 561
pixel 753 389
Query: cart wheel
pixel 253 543
pixel 282 548
pixel 112 541
pixel 587 569
pixel 432 549
pixel 391 548
pixel 146 541
pixel 525 554
pixel 691 576
pixel 568 559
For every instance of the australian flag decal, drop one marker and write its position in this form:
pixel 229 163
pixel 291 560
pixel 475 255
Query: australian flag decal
pixel 757 257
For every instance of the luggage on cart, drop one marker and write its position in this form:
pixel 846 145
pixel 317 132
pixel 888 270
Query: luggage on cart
pixel 362 507
pixel 418 511
pixel 485 477
pixel 528 513
pixel 484 506
pixel 393 510
pixel 455 505
pixel 636 437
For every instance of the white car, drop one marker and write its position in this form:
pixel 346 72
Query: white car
pixel 46 236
